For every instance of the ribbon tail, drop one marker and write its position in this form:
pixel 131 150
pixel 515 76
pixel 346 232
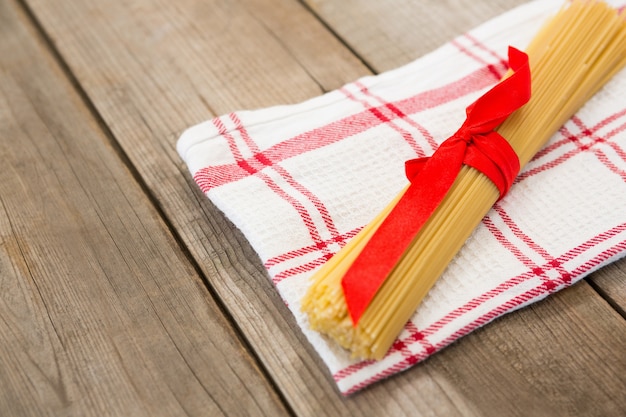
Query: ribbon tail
pixel 395 234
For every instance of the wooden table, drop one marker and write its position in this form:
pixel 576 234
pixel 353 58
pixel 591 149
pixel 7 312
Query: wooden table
pixel 123 291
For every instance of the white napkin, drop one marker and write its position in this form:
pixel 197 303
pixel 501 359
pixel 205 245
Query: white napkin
pixel 301 180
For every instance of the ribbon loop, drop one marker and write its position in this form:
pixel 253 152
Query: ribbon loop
pixel 475 144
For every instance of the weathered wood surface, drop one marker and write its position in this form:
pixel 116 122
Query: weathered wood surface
pixel 610 282
pixel 101 312
pixel 145 70
pixel 394 36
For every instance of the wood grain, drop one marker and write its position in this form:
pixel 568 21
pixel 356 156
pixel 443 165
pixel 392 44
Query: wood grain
pixel 151 68
pixel 610 282
pixel 563 356
pixel 101 312
pixel 390 36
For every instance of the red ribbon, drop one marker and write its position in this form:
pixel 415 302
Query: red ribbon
pixel 475 144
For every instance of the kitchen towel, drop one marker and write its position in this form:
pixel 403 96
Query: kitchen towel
pixel 301 180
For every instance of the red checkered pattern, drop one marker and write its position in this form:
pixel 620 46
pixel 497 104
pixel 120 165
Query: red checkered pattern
pixel 301 180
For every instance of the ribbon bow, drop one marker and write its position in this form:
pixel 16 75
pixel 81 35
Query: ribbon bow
pixel 475 144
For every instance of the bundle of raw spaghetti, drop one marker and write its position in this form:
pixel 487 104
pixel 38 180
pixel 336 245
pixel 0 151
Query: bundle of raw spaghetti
pixel 572 57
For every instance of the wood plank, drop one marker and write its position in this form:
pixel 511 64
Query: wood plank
pixel 610 283
pixel 226 56
pixel 101 313
pixel 394 36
